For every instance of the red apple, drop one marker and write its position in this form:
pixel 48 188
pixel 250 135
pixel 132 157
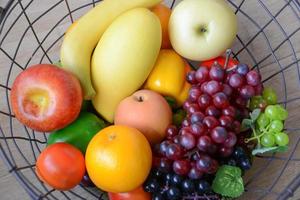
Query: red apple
pixel 137 194
pixel 46 98
pixel 146 111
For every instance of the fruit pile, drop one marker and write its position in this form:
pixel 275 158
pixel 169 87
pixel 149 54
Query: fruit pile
pixel 126 112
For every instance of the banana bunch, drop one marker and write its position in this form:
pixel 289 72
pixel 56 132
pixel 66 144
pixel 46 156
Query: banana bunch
pixel 112 49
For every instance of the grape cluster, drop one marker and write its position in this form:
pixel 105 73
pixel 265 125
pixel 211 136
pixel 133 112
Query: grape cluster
pixel 171 186
pixel 216 104
pixel 270 122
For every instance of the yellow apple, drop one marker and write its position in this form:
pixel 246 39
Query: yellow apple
pixel 202 29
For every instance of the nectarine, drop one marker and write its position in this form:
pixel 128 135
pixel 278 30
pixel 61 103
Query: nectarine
pixel 146 111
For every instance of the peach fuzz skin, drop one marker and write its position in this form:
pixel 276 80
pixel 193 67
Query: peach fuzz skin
pixel 146 111
pixel 46 98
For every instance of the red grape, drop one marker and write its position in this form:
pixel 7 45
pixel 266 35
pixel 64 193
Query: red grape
pixel 187 104
pixel 187 141
pixel 193 108
pixel 174 152
pixel 227 90
pixel 247 91
pixel 259 89
pixel 225 151
pixel 253 78
pixel 213 87
pixel 201 74
pixel 242 69
pixel 210 122
pixel 185 130
pixel 204 163
pixel 220 100
pixel 203 86
pixel 236 126
pixel 236 80
pixel 194 94
pixel 226 121
pixel 163 147
pixel 164 164
pixel 198 129
pixel 171 131
pixel 213 167
pixel 181 167
pixel 204 101
pixel 229 111
pixel 191 77
pixel 216 73
pixel 185 123
pixel 176 139
pixel 212 111
pixel 204 143
pixel 195 173
pixel 197 117
pixel 230 140
pixel 218 134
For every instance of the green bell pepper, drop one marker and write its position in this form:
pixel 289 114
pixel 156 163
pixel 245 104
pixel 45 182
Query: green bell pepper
pixel 80 132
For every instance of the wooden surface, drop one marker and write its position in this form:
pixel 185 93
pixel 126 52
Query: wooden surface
pixel 10 189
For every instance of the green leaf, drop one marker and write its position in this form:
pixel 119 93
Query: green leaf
pixel 228 181
pixel 178 117
pixel 171 101
pixel 254 114
pixel 246 124
pixel 269 150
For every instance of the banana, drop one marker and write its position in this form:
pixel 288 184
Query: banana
pixel 81 39
pixel 124 58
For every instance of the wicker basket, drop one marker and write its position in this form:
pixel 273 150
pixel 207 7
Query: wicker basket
pixel 31 32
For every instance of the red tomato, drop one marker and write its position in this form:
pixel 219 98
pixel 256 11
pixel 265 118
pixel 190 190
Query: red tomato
pixel 137 194
pixel 61 166
pixel 221 60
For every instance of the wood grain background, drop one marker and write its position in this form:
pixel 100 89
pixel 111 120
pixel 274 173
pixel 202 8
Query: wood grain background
pixel 277 69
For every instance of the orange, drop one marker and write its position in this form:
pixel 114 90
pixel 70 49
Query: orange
pixel 118 159
pixel 163 13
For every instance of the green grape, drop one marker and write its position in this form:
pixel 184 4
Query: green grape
pixel 267 140
pixel 276 126
pixel 262 121
pixel 282 139
pixel 270 96
pixel 271 112
pixel 255 101
pixel 282 112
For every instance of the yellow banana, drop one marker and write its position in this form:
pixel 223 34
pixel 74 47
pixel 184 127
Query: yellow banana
pixel 80 40
pixel 124 57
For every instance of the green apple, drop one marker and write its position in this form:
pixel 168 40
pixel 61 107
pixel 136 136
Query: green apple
pixel 202 29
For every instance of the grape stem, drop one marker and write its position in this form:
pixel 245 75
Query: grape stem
pixel 257 137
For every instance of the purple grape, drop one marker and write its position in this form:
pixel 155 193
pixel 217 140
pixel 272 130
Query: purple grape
pixel 227 90
pixel 220 100
pixel 174 152
pixel 219 134
pixel 210 122
pixel 204 163
pixel 226 121
pixel 191 77
pixel 195 173
pixel 229 111
pixel 212 111
pixel 201 74
pixel 171 131
pixel 230 140
pixel 247 91
pixel 187 141
pixel 225 151
pixel 242 69
pixel 216 73
pixel 204 143
pixel 198 129
pixel 213 87
pixel 193 108
pixel 236 80
pixel 194 94
pixel 253 78
pixel 197 117
pixel 181 167
pixel 204 101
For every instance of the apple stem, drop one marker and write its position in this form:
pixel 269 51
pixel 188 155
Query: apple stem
pixel 228 53
pixel 140 99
